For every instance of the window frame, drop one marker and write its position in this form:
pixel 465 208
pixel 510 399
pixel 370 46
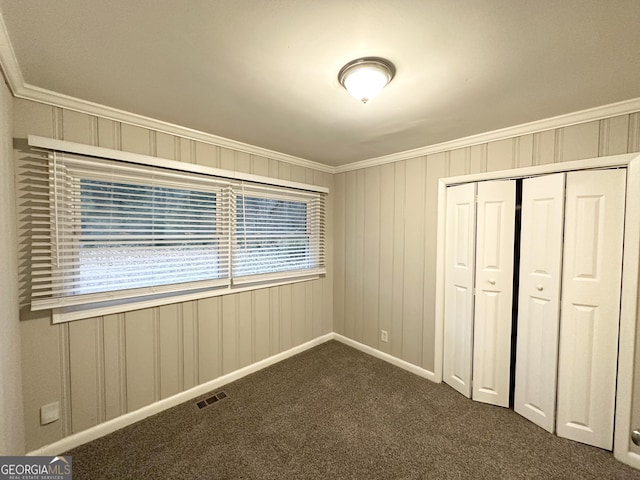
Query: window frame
pixel 77 219
pixel 248 278
pixel 107 304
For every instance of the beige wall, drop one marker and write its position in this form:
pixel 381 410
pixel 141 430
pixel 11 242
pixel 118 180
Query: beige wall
pixel 381 225
pixel 11 425
pixel 385 229
pixel 103 367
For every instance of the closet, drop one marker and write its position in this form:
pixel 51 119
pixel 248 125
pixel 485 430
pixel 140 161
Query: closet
pixel 532 281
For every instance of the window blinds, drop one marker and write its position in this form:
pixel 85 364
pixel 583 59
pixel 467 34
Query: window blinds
pixel 120 230
pixel 106 230
pixel 278 233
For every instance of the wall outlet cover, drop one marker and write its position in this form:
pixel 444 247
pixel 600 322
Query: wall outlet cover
pixel 49 413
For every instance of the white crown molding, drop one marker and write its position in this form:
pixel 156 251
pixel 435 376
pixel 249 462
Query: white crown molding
pixel 583 116
pixel 8 61
pixel 37 94
pixel 21 89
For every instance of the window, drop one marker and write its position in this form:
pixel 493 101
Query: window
pixel 124 231
pixel 136 235
pixel 276 233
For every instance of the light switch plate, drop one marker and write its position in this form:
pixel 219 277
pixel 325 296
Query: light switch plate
pixel 49 413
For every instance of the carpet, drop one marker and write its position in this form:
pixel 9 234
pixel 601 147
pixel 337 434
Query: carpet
pixel 334 412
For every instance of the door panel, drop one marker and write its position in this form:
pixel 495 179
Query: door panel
pixel 494 292
pixel 459 274
pixel 594 221
pixel 539 298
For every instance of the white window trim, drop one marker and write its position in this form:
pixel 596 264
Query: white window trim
pixel 241 284
pixel 280 274
pixel 68 314
pixel 91 151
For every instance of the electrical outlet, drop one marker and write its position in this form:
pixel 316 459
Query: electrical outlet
pixel 384 336
pixel 49 413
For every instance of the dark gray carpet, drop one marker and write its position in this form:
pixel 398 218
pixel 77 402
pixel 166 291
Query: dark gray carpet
pixel 333 412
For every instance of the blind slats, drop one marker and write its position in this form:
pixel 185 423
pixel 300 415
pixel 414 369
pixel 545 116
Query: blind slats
pixel 105 230
pixel 67 301
pixel 276 232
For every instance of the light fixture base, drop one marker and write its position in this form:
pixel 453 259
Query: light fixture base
pixel 380 67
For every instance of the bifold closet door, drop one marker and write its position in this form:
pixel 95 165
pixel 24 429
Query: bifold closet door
pixel 494 291
pixel 460 240
pixel 590 310
pixel 539 298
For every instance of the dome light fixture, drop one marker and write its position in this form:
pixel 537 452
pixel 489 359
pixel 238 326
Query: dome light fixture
pixel 365 77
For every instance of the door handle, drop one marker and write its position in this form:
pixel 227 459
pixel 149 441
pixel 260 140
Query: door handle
pixel 492 281
pixel 539 287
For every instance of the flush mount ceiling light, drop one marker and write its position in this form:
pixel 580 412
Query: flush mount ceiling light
pixel 365 78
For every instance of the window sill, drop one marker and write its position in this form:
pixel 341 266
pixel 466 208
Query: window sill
pixel 68 314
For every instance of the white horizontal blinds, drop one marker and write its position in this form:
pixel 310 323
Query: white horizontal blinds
pixel 279 233
pixel 39 215
pixel 121 230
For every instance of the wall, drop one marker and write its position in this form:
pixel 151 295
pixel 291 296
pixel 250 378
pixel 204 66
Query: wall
pixel 381 223
pixel 385 229
pixel 103 367
pixel 11 425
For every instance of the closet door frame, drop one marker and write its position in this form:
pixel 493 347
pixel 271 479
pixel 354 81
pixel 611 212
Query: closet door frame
pixel 623 449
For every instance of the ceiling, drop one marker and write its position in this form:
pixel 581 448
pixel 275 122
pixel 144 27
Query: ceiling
pixel 265 72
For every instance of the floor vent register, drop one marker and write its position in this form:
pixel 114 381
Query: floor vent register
pixel 211 400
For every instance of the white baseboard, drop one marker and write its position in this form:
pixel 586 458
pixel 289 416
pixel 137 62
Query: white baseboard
pixel 628 457
pixel 410 367
pixel 122 421
pixel 93 433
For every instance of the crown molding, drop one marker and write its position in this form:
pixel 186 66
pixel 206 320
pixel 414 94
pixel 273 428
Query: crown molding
pixel 37 94
pixel 8 61
pixel 21 89
pixel 566 120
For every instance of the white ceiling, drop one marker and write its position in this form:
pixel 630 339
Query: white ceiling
pixel 264 72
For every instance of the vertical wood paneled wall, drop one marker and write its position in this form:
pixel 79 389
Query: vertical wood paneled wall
pixel 385 229
pixel 11 425
pixel 381 240
pixel 103 367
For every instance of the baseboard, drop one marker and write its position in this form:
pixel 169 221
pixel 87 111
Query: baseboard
pixel 630 458
pixel 410 367
pixel 110 426
pixel 122 421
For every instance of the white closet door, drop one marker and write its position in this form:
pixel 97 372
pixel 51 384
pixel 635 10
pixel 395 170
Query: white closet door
pixel 539 299
pixel 494 292
pixel 458 308
pixel 590 309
